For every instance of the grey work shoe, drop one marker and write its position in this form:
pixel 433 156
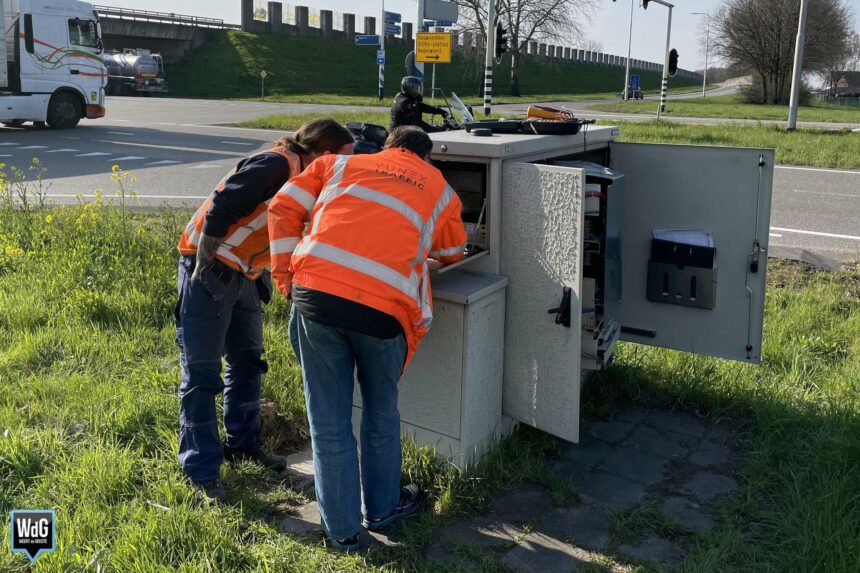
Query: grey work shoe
pixel 211 491
pixel 409 504
pixel 257 455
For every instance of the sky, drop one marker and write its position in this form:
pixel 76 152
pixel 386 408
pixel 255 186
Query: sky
pixel 610 25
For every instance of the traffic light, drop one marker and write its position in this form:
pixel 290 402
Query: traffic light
pixel 501 40
pixel 645 3
pixel 673 62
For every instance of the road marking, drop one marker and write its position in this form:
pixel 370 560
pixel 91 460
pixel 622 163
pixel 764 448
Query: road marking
pixel 777 235
pixel 165 162
pixel 817 169
pixel 34 147
pixel 171 124
pixel 120 133
pixel 63 151
pixel 816 234
pixel 93 154
pixel 828 193
pixel 128 158
pixel 236 143
pixel 7 144
pixel 108 197
pixel 206 166
pixel 5 156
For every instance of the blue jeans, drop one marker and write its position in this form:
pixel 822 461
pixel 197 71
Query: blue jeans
pixel 207 330
pixel 331 359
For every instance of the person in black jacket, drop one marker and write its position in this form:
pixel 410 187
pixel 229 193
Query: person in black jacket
pixel 409 105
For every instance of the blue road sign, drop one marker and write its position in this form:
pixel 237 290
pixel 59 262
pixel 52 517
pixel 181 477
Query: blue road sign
pixel 634 82
pixel 392 17
pixel 380 57
pixel 392 29
pixel 367 40
pixel 438 23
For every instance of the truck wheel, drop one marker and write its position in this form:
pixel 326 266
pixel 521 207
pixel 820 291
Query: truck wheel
pixel 64 111
pixel 14 123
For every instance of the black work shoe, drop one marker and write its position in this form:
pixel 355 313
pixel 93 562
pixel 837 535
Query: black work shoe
pixel 410 501
pixel 347 545
pixel 257 455
pixel 211 491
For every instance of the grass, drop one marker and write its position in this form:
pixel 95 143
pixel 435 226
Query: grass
pixel 731 107
pixel 229 66
pixel 88 418
pixel 806 147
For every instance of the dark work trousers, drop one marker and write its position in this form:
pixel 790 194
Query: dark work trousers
pixel 229 325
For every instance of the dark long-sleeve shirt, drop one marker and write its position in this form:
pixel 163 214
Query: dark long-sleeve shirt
pixel 407 111
pixel 255 180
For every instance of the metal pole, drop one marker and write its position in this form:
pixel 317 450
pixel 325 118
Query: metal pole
pixel 707 48
pixel 419 27
pixel 665 86
pixel 629 43
pixel 798 66
pixel 491 55
pixel 382 49
pixel 433 87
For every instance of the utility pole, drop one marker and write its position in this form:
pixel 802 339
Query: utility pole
pixel 798 66
pixel 665 84
pixel 629 44
pixel 419 27
pixel 707 48
pixel 491 56
pixel 382 49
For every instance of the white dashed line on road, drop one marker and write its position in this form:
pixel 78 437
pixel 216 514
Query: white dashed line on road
pixel 8 144
pixel 165 162
pixel 120 133
pixel 777 235
pixel 206 166
pixel 63 151
pixel 817 169
pixel 816 234
pixel 34 147
pixel 237 143
pixel 108 197
pixel 93 154
pixel 128 158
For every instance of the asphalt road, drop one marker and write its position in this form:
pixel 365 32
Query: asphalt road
pixel 180 149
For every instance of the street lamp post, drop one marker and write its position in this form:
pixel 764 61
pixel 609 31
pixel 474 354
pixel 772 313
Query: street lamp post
pixel 707 48
pixel 629 43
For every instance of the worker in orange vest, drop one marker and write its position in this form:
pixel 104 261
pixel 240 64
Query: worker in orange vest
pixel 361 304
pixel 223 278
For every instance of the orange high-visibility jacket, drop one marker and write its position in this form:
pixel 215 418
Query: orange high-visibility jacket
pixel 374 221
pixel 246 245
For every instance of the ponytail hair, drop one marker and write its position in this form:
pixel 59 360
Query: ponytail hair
pixel 317 137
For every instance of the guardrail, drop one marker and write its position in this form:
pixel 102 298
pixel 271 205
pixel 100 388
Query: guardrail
pixel 162 17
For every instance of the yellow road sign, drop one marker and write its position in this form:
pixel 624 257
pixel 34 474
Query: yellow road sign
pixel 433 48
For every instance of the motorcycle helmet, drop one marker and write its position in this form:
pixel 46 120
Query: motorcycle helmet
pixel 412 86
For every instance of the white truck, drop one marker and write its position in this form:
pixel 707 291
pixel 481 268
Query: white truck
pixel 51 70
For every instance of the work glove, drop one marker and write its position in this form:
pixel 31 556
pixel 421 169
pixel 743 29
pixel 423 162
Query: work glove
pixel 205 254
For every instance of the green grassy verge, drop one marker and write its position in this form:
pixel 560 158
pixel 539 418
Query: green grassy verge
pixel 88 415
pixel 229 65
pixel 811 148
pixel 806 147
pixel 730 107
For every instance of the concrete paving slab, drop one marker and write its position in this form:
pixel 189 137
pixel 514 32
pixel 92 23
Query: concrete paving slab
pixel 661 442
pixel 586 525
pixel 612 432
pixel 610 490
pixel 656 550
pixel 524 505
pixel 540 553
pixel 643 467
pixel 448 558
pixel 482 531
pixel 688 514
pixel 710 454
pixel 307 520
pixel 587 453
pixel 681 422
pixel 707 485
pixel 633 415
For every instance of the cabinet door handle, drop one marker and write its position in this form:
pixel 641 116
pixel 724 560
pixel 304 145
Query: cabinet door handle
pixel 562 313
pixel 76 72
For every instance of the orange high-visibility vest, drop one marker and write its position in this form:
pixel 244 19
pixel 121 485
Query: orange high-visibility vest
pixel 246 245
pixel 374 221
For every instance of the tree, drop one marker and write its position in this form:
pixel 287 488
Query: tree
pixel 761 34
pixel 838 64
pixel 528 21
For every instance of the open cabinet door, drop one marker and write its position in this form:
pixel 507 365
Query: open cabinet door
pixel 541 254
pixel 722 192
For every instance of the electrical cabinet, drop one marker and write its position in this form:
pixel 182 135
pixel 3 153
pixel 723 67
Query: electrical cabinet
pixel 588 242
